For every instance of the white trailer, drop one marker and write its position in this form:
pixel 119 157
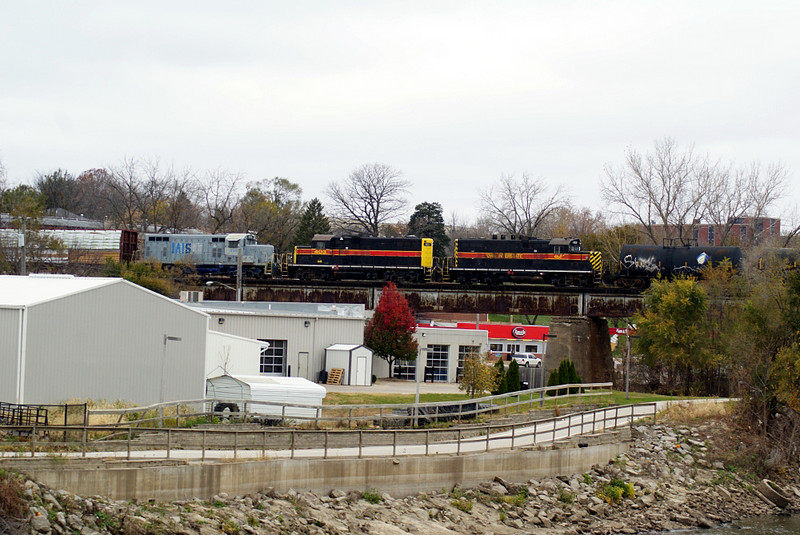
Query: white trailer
pixel 266 395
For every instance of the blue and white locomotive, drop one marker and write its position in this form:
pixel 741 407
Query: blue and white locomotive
pixel 210 254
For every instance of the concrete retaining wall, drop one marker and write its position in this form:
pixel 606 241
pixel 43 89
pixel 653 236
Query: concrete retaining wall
pixel 401 476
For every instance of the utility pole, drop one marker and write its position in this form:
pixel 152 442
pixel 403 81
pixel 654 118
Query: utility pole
pixel 239 272
pixel 23 268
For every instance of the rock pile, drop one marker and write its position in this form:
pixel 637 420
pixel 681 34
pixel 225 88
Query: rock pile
pixel 668 480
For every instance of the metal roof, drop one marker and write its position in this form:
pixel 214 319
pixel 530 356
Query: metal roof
pixel 266 308
pixel 19 292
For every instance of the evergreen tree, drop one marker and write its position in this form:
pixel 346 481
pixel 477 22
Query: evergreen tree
pixel 563 375
pixel 313 221
pixel 389 332
pixel 427 222
pixel 512 377
pixel 501 384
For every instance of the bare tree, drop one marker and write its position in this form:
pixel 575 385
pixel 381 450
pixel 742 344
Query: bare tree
pixel 574 222
pixel 3 184
pixel 123 181
pixel 372 194
pixel 219 191
pixel 743 192
pixel 181 210
pixel 520 206
pixel 271 209
pixel 664 191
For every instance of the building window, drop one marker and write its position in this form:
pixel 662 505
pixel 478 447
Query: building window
pixel 463 353
pixel 437 362
pixel 496 348
pixel 273 358
pixel 405 369
pixel 711 235
pixel 743 234
pixel 532 348
pixel 513 348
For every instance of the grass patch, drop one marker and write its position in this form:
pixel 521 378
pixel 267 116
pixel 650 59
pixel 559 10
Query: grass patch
pixel 525 319
pixel 357 398
pixel 692 412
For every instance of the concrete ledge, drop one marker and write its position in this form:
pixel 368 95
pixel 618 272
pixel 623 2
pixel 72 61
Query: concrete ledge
pixel 402 476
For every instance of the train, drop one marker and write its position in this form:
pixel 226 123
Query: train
pixel 210 254
pixel 558 262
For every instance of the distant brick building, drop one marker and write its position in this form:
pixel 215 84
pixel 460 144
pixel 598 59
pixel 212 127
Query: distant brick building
pixel 741 231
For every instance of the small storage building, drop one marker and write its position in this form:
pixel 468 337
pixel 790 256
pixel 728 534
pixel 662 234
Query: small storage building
pixel 268 394
pixel 355 360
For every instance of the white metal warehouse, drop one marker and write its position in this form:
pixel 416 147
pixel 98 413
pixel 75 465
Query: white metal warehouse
pixel 64 337
pixel 295 334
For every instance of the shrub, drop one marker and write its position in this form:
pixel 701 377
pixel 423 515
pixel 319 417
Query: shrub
pixel 512 377
pixel 565 496
pixel 372 496
pixel 12 502
pixel 462 504
pixel 564 374
pixel 615 491
pixel 500 378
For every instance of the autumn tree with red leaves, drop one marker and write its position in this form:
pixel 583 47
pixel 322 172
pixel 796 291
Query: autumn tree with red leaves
pixel 390 331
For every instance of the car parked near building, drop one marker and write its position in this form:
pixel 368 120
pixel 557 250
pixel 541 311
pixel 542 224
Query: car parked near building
pixel 529 360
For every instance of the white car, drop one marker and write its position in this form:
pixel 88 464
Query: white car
pixel 529 360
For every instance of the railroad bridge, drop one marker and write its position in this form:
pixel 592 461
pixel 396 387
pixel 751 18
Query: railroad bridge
pixel 578 329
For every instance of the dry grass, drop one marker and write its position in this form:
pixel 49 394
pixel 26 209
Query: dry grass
pixel 684 413
pixel 12 502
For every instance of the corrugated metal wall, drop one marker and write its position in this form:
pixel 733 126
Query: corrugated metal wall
pixel 9 335
pixel 108 343
pixel 320 333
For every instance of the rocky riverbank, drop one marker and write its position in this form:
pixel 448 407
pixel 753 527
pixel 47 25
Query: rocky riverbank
pixel 670 479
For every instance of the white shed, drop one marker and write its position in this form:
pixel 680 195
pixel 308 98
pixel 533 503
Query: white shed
pixel 273 391
pixel 355 360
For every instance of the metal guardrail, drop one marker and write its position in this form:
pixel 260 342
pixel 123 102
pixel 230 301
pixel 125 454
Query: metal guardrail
pixel 156 443
pixel 349 415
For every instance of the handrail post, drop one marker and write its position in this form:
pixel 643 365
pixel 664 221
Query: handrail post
pixel 394 443
pixel 325 452
pixel 487 436
pixel 33 440
pixel 294 443
pixel 360 441
pixel 427 440
pixel 458 450
pixel 235 443
pixel 169 440
pixel 84 438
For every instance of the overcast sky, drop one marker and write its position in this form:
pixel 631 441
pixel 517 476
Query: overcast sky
pixel 453 94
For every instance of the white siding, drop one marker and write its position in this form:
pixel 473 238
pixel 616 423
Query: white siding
pixel 320 333
pixel 108 344
pixel 9 354
pixel 230 354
